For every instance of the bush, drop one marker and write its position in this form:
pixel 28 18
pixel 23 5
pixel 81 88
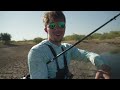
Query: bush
pixel 37 40
pixel 75 37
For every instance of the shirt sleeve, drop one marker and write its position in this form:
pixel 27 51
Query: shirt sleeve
pixel 79 54
pixel 36 64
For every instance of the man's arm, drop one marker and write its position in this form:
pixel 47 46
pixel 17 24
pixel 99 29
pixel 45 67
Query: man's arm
pixel 104 71
pixel 37 66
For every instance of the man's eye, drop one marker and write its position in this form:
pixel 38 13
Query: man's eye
pixel 52 26
pixel 62 26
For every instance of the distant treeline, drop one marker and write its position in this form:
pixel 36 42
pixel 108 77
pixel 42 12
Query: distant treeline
pixel 110 35
pixel 76 37
pixel 5 38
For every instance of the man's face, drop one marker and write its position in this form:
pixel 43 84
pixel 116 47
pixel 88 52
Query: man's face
pixel 55 29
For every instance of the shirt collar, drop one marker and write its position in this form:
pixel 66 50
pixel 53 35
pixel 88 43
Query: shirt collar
pixel 53 45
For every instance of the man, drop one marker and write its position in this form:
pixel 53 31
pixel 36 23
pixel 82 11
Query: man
pixel 42 53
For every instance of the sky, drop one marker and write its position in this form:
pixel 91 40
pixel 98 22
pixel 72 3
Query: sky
pixel 27 25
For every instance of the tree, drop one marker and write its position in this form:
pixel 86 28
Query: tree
pixel 0 37
pixel 5 38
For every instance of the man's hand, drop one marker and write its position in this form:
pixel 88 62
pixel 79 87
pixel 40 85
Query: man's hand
pixel 102 75
pixel 104 72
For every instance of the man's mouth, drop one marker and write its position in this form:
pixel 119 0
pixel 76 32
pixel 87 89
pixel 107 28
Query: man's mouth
pixel 58 34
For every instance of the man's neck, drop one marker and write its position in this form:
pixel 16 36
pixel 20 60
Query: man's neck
pixel 55 42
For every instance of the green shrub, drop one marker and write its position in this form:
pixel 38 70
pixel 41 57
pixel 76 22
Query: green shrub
pixel 37 40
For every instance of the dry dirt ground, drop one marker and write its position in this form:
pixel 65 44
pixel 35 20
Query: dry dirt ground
pixel 13 59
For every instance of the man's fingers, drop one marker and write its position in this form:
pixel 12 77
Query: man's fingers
pixel 100 75
pixel 106 76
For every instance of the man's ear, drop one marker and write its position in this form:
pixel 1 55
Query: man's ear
pixel 46 30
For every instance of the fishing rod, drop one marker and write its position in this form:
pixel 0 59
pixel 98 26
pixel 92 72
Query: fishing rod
pixel 114 18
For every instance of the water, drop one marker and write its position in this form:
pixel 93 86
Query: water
pixel 113 60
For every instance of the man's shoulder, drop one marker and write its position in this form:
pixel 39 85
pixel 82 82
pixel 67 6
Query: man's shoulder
pixel 66 44
pixel 40 45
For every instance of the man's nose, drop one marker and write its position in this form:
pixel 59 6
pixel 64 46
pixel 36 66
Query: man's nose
pixel 57 27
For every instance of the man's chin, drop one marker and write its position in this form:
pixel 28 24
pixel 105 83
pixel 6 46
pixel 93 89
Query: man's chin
pixel 58 40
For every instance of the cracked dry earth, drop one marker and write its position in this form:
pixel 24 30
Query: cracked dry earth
pixel 13 60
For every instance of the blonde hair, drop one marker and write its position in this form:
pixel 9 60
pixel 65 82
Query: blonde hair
pixel 53 15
